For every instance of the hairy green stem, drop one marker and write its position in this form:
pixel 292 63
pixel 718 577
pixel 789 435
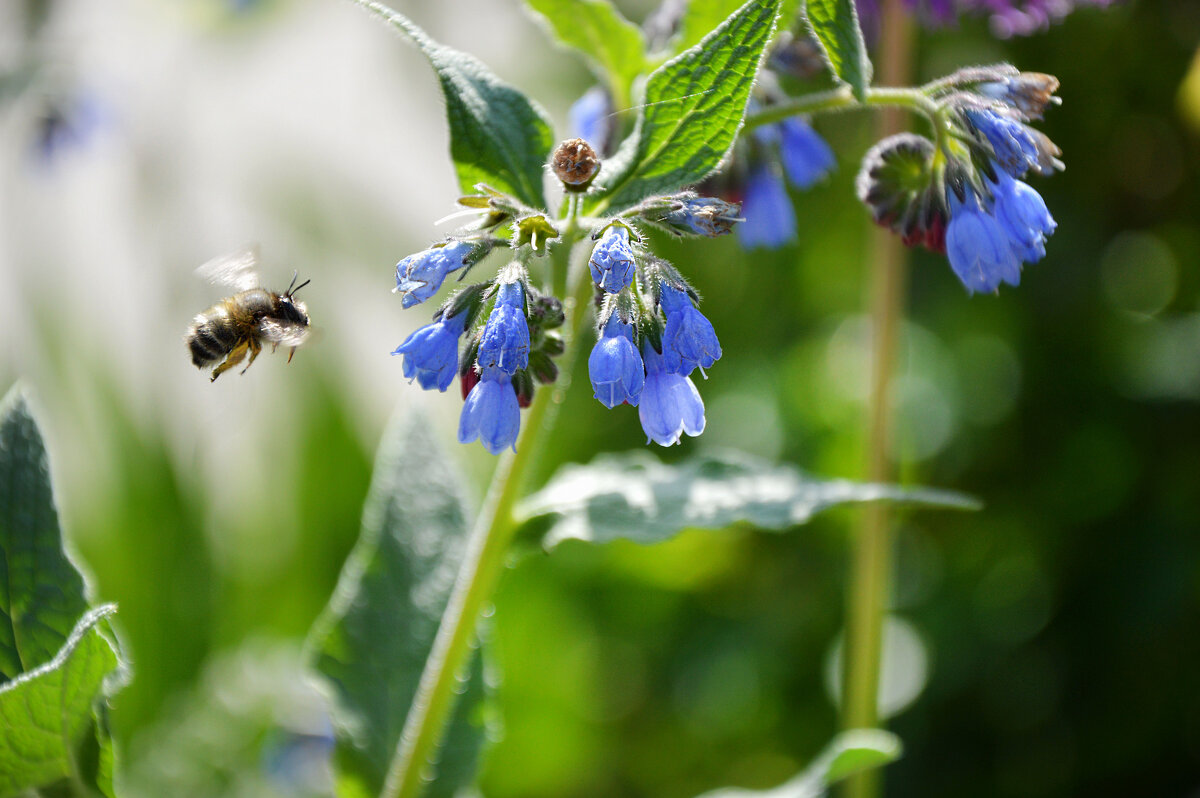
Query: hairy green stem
pixel 871 573
pixel 843 99
pixel 482 564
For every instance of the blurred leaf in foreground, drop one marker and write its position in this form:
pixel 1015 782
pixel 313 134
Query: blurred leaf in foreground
pixel 55 666
pixel 374 638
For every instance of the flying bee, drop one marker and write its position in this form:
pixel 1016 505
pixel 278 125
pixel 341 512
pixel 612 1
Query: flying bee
pixel 248 319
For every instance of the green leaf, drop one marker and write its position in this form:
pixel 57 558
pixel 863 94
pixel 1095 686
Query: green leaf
pixel 41 592
pixel 373 639
pixel 850 752
pixel 835 24
pixel 612 44
pixel 635 497
pixel 498 136
pixel 693 107
pixel 47 713
pixel 701 16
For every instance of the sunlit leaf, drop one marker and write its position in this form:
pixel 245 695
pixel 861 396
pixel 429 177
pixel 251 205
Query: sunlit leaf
pixel 835 23
pixel 498 136
pixel 636 497
pixel 691 112
pixel 611 43
pixel 47 714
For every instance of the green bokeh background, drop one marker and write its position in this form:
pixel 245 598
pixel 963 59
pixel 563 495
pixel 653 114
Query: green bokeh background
pixel 1059 628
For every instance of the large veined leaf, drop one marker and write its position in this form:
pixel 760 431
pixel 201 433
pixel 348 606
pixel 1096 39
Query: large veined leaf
pixel 41 592
pixel 636 497
pixel 54 664
pixel 47 715
pixel 849 753
pixel 498 136
pixel 691 112
pixel 614 45
pixel 373 639
pixel 835 23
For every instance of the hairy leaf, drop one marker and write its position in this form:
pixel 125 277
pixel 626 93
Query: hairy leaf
pixel 701 16
pixel 41 593
pixel 373 639
pixel 47 715
pixel 693 107
pixel 835 24
pixel 613 44
pixel 850 752
pixel 636 497
pixel 498 136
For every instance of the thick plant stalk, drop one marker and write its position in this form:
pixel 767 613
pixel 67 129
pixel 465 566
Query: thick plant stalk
pixel 411 767
pixel 871 574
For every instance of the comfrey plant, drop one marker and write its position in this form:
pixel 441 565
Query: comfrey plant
pixel 540 280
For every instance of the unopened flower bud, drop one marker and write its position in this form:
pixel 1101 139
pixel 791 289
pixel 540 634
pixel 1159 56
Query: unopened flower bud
pixel 542 367
pixel 575 163
pixel 687 214
pixel 523 384
pixel 552 345
pixel 546 312
pixel 1028 92
pixel 899 188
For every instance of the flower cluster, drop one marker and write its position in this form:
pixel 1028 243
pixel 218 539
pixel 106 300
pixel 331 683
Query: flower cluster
pixel 500 336
pixel 965 195
pixel 651 335
pixel 510 349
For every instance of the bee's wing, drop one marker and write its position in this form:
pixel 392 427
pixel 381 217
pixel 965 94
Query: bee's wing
pixel 282 332
pixel 238 269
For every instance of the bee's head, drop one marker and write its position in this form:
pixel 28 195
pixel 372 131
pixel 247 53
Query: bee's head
pixel 290 307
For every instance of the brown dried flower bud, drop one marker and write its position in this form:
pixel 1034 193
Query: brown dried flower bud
pixel 575 163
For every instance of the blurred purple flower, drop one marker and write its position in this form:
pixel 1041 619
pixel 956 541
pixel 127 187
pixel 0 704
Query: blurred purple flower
pixel 770 220
pixel 1006 17
pixel 67 123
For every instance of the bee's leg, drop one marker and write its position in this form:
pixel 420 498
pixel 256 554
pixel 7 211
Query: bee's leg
pixel 255 348
pixel 291 353
pixel 232 359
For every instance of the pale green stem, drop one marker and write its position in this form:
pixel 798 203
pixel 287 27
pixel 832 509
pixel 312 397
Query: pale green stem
pixel 478 574
pixel 842 99
pixel 871 574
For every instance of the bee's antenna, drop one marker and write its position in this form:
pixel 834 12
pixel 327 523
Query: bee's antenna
pixel 293 288
pixel 295 275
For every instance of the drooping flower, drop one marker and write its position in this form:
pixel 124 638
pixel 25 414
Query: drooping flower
pixel 612 263
pixel 670 404
pixel 980 249
pixel 491 413
pixel 806 157
pixel 505 341
pixel 431 353
pixel 689 340
pixel 1023 215
pixel 419 276
pixel 615 367
pixel 770 220
pixel 1013 143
